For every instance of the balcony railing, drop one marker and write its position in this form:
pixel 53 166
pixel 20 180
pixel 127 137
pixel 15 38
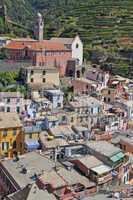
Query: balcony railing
pixel 104 179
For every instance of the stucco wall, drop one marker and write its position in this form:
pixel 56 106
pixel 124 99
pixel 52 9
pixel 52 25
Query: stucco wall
pixel 77 50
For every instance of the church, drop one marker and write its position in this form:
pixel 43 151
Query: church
pixel 39 52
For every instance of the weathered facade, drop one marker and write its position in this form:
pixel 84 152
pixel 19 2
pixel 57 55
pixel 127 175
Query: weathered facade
pixel 12 136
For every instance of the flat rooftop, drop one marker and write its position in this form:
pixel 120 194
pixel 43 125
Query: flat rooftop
pixel 101 169
pixel 79 128
pixel 125 138
pixel 90 161
pixel 34 164
pixel 53 178
pixel 104 148
pixel 63 177
pixel 9 120
pixel 62 130
pixel 84 101
pixel 31 192
pixel 128 103
pixel 55 92
pixel 52 143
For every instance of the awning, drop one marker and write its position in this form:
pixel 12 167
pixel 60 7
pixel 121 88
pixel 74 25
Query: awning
pixel 101 169
pixel 117 157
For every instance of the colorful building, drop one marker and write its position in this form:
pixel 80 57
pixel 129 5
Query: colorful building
pixel 55 97
pixel 111 156
pixel 11 135
pixel 12 102
pixel 14 176
pixel 40 53
pixel 88 110
pixel 94 169
pixel 75 45
pixel 44 75
pixel 84 86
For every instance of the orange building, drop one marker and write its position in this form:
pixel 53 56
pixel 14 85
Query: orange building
pixel 11 135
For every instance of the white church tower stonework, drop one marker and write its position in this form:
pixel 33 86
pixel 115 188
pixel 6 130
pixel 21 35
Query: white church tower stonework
pixel 39 26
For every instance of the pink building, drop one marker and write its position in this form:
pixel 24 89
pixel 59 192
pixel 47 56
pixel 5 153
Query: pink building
pixel 11 102
pixel 40 53
pixel 83 86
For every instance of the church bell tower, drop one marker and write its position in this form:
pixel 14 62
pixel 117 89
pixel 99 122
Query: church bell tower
pixel 39 26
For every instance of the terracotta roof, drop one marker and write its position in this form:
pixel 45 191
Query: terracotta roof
pixel 36 45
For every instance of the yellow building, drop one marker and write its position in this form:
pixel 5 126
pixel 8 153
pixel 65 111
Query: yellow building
pixel 42 75
pixel 11 135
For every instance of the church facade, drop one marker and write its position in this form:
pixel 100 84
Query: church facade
pixel 40 52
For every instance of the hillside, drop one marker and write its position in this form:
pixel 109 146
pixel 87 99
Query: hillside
pixel 100 23
pixel 92 19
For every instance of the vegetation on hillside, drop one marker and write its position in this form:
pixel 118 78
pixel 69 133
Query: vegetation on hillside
pixel 100 23
pixel 94 20
pixel 9 82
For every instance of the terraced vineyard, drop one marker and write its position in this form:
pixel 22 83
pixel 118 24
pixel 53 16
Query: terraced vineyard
pixel 100 23
pixel 92 19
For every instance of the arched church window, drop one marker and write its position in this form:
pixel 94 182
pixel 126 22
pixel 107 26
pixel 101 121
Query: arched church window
pixel 77 46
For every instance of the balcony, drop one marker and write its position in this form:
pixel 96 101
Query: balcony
pixel 104 179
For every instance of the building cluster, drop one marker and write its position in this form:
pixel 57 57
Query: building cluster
pixel 52 148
